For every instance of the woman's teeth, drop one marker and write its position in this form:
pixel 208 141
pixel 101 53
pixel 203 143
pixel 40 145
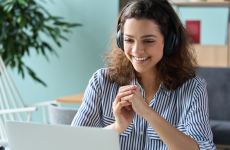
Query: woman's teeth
pixel 140 59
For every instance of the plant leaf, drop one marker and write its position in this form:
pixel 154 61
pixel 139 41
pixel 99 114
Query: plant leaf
pixel 7 2
pixel 74 25
pixel 33 75
pixel 22 2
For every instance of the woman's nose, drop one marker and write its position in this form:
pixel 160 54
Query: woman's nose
pixel 138 47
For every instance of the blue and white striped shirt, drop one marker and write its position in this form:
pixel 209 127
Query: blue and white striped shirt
pixel 186 108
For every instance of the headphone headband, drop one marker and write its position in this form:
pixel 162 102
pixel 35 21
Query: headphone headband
pixel 119 19
pixel 159 3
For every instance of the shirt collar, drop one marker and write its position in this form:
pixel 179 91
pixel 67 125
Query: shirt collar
pixel 135 82
pixel 167 92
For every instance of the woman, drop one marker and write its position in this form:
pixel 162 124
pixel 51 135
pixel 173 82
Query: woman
pixel 149 93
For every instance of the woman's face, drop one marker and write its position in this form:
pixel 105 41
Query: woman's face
pixel 143 44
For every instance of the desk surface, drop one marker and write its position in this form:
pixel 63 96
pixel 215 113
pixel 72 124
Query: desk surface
pixel 75 99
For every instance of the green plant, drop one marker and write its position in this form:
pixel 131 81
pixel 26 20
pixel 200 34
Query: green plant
pixel 21 24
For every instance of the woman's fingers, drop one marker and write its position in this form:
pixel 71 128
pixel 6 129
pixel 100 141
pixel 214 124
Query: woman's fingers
pixel 128 107
pixel 117 100
pixel 123 94
pixel 126 88
pixel 117 108
pixel 119 96
pixel 124 91
pixel 127 98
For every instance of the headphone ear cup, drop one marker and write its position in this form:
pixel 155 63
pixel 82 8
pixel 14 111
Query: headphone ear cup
pixel 170 41
pixel 119 38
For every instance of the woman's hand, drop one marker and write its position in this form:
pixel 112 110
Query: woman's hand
pixel 123 116
pixel 139 104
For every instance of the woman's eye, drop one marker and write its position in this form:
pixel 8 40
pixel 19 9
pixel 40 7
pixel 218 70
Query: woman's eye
pixel 128 40
pixel 149 41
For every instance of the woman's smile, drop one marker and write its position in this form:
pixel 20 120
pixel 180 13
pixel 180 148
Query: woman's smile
pixel 140 60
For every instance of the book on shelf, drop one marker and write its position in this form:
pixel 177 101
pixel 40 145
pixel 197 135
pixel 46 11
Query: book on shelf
pixel 193 29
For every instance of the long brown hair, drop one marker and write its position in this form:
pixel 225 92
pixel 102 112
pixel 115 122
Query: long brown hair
pixel 173 70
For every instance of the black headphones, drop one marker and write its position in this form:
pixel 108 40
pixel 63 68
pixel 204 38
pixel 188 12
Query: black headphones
pixel 172 39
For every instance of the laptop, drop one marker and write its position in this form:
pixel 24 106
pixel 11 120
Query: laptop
pixel 35 136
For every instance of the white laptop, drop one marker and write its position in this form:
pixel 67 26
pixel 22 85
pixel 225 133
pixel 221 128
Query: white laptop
pixel 35 136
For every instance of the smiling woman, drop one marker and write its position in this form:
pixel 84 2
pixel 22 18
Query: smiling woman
pixel 149 93
pixel 143 46
pixel 174 38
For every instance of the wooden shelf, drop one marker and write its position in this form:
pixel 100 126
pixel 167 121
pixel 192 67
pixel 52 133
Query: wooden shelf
pixel 212 55
pixel 202 4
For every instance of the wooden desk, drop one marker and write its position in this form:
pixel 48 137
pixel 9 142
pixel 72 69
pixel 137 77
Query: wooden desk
pixel 74 99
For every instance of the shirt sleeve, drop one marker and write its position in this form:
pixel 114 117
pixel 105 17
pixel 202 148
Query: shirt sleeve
pixel 197 120
pixel 89 114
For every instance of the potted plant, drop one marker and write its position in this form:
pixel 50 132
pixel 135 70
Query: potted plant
pixel 21 24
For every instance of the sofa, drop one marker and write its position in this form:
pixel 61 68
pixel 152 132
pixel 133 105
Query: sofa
pixel 218 87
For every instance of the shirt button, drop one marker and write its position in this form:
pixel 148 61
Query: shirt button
pixel 141 132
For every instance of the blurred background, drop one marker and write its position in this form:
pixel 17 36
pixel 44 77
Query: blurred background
pixel 207 22
pixel 79 58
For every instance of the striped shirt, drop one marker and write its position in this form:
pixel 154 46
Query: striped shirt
pixel 186 108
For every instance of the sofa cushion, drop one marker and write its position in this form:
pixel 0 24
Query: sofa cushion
pixel 221 131
pixel 218 87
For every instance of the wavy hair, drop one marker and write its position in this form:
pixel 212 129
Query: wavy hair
pixel 173 70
